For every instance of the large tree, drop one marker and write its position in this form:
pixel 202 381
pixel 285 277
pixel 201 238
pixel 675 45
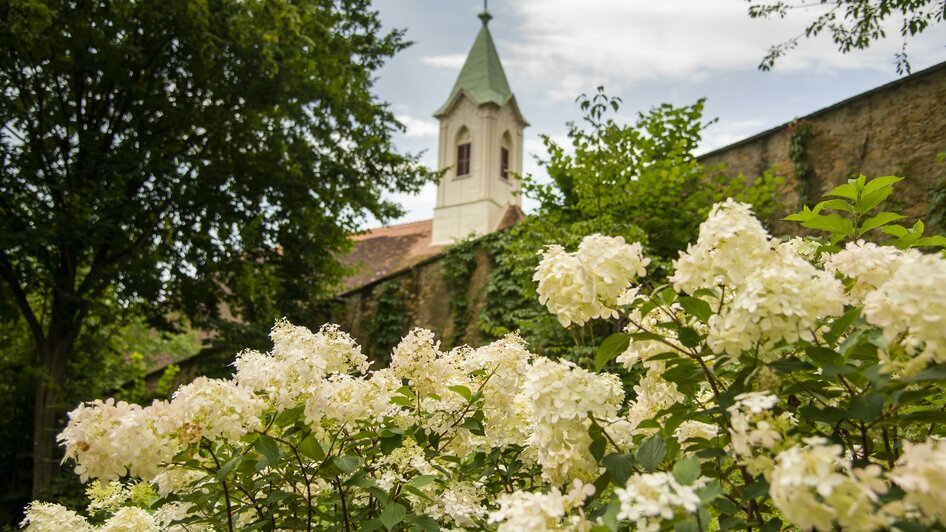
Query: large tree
pixel 852 24
pixel 184 156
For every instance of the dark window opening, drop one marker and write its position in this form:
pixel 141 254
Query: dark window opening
pixel 463 159
pixel 504 163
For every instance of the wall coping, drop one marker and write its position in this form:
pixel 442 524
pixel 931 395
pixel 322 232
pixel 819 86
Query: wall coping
pixel 825 110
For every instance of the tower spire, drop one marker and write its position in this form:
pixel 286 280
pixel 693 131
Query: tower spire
pixel 485 16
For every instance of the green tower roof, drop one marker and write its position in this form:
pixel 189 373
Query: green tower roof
pixel 482 77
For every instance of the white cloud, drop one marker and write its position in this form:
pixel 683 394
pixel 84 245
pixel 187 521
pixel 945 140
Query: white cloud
pixel 566 46
pixel 451 61
pixel 418 127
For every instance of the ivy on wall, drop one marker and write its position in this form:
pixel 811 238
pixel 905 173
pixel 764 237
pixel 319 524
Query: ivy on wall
pixel 390 322
pixel 459 262
pixel 936 208
pixel 800 137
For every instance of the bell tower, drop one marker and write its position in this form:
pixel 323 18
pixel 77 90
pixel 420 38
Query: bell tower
pixel 480 147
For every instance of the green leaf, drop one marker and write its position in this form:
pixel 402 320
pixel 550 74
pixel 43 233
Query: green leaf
pixel 390 443
pixel 651 453
pixel 347 464
pixel 424 522
pixel 756 489
pixel 620 466
pixel 392 514
pixel 229 466
pixel 867 202
pixel 473 425
pixel 881 219
pixel 310 448
pixel 835 204
pixel 463 391
pixel 840 325
pixel 422 480
pixel 880 182
pixel 688 337
pixel 611 347
pixel 402 401
pixel 833 223
pixel 687 470
pixel 823 356
pixel 898 231
pixel 846 190
pixel 866 408
pixel 268 447
pixel 931 241
pixel 696 307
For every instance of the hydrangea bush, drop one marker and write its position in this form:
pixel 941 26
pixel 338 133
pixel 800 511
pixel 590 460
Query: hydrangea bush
pixel 783 384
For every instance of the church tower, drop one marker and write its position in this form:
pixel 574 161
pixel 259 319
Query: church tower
pixel 480 146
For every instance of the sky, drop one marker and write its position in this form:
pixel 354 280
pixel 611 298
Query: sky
pixel 646 52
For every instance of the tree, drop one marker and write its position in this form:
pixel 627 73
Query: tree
pixel 637 178
pixel 853 24
pixel 182 157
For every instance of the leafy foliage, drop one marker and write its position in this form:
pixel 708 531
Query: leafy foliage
pixel 853 24
pixel 185 158
pixel 640 181
pixel 828 415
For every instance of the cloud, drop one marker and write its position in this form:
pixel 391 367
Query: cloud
pixel 567 46
pixel 451 61
pixel 418 127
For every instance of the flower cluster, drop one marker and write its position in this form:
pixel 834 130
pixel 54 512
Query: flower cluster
pixel 775 383
pixel 650 498
pixel 586 284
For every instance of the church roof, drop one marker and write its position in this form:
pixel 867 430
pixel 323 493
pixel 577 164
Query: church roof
pixel 482 77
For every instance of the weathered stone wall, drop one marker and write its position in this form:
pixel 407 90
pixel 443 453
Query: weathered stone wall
pixel 895 129
pixel 430 303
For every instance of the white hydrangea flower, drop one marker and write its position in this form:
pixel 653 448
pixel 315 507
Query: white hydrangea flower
pixel 560 396
pixel 542 512
pixel 912 302
pixel 461 503
pixel 802 247
pixel 214 408
pixel 814 487
pixel 695 429
pixel 340 353
pixel 731 245
pixel 175 480
pixel 130 519
pixel 507 362
pixel 108 439
pixel 752 425
pixel 348 400
pixel 921 473
pixel 169 515
pixel 868 265
pixel 299 362
pixel 654 394
pixel 782 300
pixel 587 284
pixel 106 496
pixel 418 360
pixel 50 517
pixel 650 498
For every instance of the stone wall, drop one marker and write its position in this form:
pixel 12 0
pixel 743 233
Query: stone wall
pixel 895 129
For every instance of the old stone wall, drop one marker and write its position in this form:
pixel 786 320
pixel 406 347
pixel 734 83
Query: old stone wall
pixel 895 129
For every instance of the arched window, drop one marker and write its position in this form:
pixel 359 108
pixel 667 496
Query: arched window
pixel 504 149
pixel 464 152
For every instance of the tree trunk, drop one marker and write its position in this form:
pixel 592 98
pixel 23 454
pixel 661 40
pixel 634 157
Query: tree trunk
pixel 46 416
